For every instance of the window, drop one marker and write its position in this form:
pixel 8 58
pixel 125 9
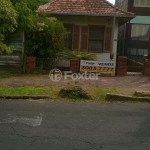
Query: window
pixel 68 41
pixel 92 38
pixel 84 38
pixel 141 3
pixel 140 30
pixel 96 39
pixel 137 52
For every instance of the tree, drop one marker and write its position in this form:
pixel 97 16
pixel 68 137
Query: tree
pixel 32 4
pixel 43 36
pixel 26 10
pixel 8 22
pixel 25 15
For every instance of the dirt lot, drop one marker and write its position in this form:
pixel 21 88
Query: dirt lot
pixel 124 85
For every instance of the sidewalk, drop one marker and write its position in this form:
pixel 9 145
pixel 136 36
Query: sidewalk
pixel 124 85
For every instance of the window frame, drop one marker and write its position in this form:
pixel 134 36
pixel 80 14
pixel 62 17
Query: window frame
pixel 135 28
pixel 97 39
pixel 137 52
pixel 70 37
pixel 139 3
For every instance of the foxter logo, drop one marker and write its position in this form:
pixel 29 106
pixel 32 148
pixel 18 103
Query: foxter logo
pixel 55 75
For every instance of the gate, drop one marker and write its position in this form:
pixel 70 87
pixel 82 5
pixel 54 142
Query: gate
pixel 134 67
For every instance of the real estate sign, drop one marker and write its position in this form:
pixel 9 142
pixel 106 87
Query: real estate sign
pixel 96 66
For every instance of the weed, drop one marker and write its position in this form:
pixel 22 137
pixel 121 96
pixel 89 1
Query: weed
pixel 74 92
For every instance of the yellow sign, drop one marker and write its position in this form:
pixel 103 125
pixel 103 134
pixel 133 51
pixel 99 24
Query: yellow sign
pixel 94 66
pixel 97 69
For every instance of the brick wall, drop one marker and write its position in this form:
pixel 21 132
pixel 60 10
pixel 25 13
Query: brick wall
pixel 122 65
pixel 75 65
pixel 30 64
pixel 146 70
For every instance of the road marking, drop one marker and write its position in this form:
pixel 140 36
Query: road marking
pixel 33 122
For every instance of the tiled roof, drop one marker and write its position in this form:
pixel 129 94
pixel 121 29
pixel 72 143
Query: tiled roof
pixel 82 7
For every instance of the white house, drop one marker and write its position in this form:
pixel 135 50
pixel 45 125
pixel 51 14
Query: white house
pixel 90 23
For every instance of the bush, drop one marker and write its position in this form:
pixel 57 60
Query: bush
pixel 74 92
pixel 45 38
pixel 78 54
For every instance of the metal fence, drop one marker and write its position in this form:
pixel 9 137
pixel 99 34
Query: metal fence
pixel 45 63
pixel 134 66
pixel 135 48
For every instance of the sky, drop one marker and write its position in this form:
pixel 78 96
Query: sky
pixel 112 1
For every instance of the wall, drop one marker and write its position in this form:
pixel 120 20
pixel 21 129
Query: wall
pixel 80 20
pixel 144 11
pixel 63 63
pixel 122 4
pixel 85 20
pixel 103 57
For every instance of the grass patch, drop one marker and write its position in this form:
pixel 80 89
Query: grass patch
pixel 98 94
pixel 52 92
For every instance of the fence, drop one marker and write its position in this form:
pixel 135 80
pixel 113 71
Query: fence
pixel 134 66
pixel 45 63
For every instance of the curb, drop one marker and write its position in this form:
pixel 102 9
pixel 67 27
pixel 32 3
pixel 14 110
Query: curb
pixel 125 98
pixel 37 97
pixel 142 93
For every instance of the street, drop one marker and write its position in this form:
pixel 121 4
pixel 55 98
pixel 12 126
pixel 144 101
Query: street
pixel 56 125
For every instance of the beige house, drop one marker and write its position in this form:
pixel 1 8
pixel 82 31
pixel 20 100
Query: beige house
pixel 90 23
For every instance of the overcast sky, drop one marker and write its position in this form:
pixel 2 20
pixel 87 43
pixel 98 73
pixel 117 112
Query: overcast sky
pixel 112 1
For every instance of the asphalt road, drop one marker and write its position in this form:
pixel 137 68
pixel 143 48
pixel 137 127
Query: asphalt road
pixel 49 125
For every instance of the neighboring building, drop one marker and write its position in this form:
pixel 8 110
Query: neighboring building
pixel 90 25
pixel 135 35
pixel 14 61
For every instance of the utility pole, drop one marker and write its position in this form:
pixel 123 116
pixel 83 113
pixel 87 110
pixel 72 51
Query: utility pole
pixel 113 30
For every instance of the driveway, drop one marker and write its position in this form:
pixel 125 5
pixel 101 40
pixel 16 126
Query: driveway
pixel 49 125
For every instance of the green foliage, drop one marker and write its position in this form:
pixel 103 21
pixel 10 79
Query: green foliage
pixel 77 54
pixel 8 23
pixel 74 92
pixel 45 38
pixel 25 15
pixel 26 10
pixel 7 16
pixel 4 48
pixel 31 4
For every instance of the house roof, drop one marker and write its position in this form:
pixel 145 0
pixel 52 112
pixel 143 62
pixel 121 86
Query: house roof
pixel 82 7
